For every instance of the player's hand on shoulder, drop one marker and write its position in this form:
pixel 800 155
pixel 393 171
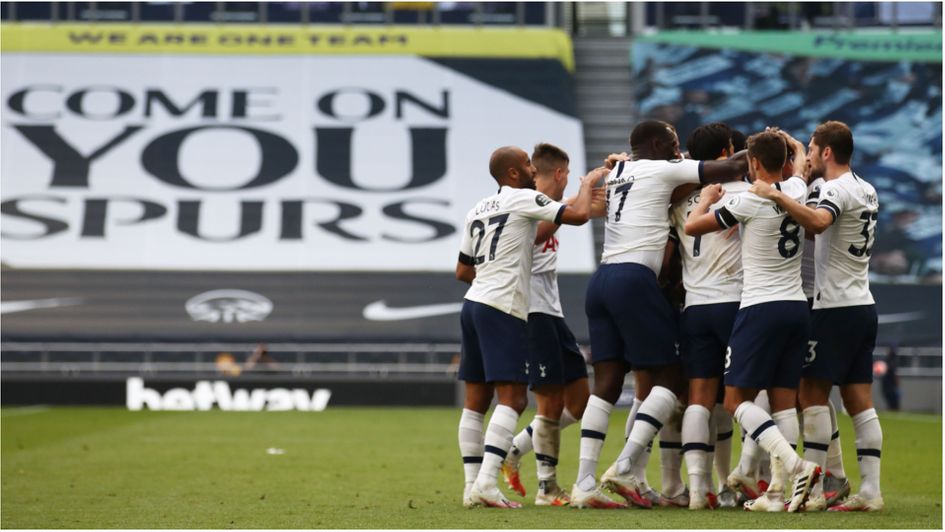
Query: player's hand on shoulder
pixel 594 176
pixel 611 161
pixel 760 188
pixel 711 193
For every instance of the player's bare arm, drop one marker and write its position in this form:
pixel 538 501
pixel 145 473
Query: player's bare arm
pixel 611 161
pixel 723 171
pixel 813 220
pixel 465 272
pixel 799 151
pixel 667 257
pixel 580 211
pixel 700 220
pixel 599 201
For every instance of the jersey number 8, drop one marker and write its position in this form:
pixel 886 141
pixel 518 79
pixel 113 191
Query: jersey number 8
pixel 790 232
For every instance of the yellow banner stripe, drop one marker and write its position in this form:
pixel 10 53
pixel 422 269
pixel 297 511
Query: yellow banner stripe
pixel 261 39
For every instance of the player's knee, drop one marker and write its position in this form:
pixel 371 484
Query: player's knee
pixel 669 377
pixel 856 398
pixel 515 401
pixel 731 403
pixel 477 404
pixel 608 387
pixel 813 393
pixel 576 403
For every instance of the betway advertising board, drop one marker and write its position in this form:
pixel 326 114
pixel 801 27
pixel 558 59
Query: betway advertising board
pixel 262 162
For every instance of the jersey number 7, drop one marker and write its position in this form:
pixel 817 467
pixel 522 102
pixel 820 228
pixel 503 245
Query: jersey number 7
pixel 623 190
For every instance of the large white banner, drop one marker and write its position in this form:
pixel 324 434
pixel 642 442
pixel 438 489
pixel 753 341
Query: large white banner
pixel 252 163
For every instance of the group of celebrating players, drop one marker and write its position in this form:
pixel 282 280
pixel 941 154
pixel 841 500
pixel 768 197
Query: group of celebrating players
pixel 774 308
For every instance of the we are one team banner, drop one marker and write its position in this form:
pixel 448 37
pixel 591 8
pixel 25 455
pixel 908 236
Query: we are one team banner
pixel 179 148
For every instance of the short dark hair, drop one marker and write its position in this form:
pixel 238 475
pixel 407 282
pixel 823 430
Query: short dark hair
pixel 546 157
pixel 707 142
pixel 769 148
pixel 649 129
pixel 838 137
pixel 739 142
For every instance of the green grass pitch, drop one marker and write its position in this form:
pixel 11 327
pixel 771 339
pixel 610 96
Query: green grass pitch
pixel 355 468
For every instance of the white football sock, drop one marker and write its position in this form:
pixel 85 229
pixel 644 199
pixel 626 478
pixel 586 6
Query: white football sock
pixel 498 439
pixel 835 451
pixel 567 419
pixel 671 460
pixel 547 443
pixel 762 401
pixel 750 457
pixel 695 439
pixel 789 426
pixel 723 443
pixel 638 468
pixel 710 456
pixel 817 439
pixel 653 414
pixel 869 444
pixel 522 444
pixel 764 431
pixel 631 417
pixel 787 423
pixel 593 431
pixel 470 443
pixel 816 434
pixel 764 460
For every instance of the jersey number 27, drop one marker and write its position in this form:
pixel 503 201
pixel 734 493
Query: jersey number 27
pixel 477 225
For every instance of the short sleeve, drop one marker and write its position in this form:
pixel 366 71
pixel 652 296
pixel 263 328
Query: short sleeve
pixel 738 209
pixel 465 246
pixel 831 198
pixel 683 171
pixel 813 193
pixel 537 206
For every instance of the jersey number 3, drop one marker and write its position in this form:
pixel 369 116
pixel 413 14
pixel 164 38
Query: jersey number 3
pixel 477 225
pixel 869 226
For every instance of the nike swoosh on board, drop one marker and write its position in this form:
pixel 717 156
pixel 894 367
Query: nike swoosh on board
pixel 9 307
pixel 379 311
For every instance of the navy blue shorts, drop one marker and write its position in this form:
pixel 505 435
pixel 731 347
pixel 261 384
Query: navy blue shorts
pixel 553 354
pixel 629 318
pixel 841 345
pixel 704 337
pixel 495 345
pixel 767 346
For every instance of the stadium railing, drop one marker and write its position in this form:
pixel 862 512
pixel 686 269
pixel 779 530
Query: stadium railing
pixel 613 18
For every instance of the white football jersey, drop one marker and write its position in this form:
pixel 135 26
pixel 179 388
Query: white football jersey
pixel 843 250
pixel 771 244
pixel 637 223
pixel 498 237
pixel 807 261
pixel 544 283
pixel 712 263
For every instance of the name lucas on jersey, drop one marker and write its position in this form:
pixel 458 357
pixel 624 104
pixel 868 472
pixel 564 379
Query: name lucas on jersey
pixel 487 206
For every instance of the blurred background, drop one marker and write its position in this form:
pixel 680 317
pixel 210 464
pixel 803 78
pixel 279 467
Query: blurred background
pixel 269 194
